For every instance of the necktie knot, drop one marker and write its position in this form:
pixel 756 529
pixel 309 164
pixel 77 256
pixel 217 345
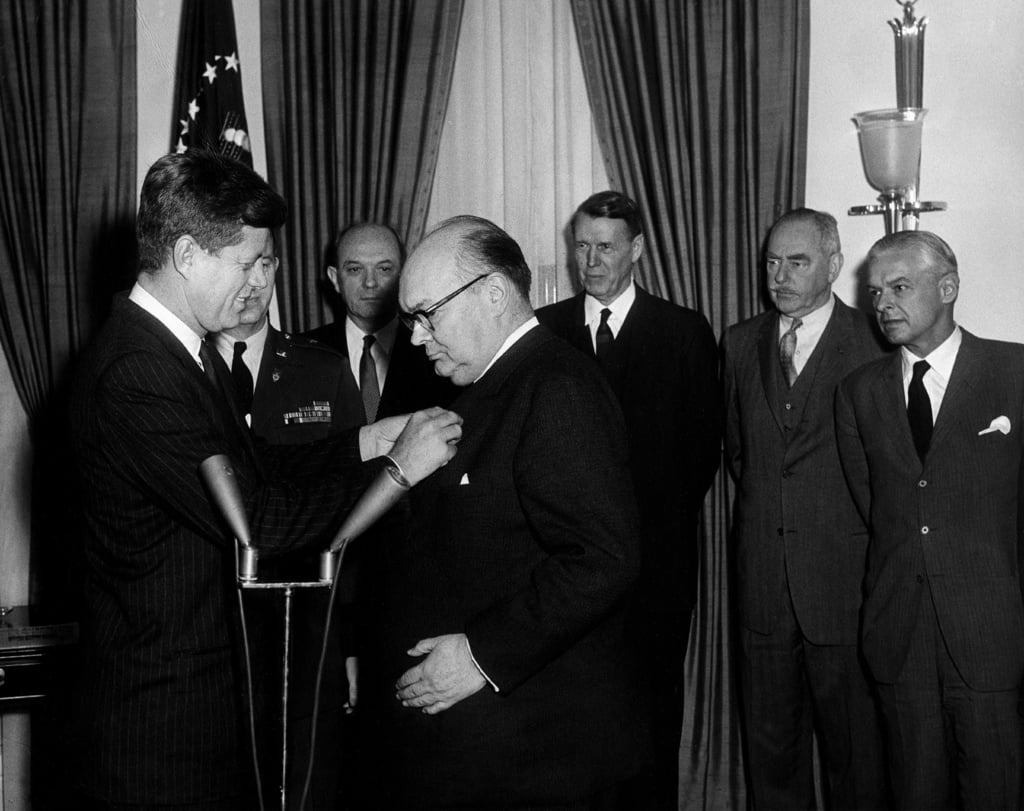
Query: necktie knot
pixel 787 351
pixel 369 385
pixel 920 369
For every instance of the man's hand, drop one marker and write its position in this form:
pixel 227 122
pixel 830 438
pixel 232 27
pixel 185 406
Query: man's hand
pixel 444 678
pixel 352 676
pixel 426 443
pixel 377 438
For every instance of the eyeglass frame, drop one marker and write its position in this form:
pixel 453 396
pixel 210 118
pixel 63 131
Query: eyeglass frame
pixel 422 317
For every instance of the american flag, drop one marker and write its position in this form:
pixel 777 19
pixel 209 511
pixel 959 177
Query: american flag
pixel 209 112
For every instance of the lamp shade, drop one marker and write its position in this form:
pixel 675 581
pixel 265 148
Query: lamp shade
pixel 890 146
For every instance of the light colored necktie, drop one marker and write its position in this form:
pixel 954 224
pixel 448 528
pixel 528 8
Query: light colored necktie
pixel 787 349
pixel 369 386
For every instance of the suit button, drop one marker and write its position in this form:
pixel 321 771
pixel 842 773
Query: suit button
pixel 785 474
pixel 780 531
pixel 924 530
pixel 922 483
pixel 920 579
pixel 789 406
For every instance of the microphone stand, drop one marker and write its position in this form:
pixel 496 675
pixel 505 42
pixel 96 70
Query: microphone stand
pixel 380 496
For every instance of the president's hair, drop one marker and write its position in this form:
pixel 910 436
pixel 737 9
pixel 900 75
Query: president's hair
pixel 613 205
pixel 932 248
pixel 483 246
pixel 823 222
pixel 205 195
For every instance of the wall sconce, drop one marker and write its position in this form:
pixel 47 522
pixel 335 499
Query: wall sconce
pixel 890 139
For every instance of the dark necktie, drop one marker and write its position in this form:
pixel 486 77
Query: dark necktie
pixel 787 349
pixel 207 360
pixel 243 378
pixel 919 409
pixel 369 386
pixel 605 339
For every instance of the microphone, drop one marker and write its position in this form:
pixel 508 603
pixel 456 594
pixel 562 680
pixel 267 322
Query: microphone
pixel 383 493
pixel 218 475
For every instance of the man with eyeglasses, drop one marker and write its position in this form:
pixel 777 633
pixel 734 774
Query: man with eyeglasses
pixel 501 660
pixel 389 374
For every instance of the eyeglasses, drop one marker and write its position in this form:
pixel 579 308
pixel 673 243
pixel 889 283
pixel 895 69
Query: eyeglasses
pixel 422 317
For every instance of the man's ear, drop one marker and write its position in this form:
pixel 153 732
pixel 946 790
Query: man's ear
pixel 949 288
pixel 835 264
pixel 183 255
pixel 498 292
pixel 637 248
pixel 333 277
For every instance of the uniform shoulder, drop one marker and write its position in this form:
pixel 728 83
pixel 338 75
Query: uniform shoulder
pixel 304 344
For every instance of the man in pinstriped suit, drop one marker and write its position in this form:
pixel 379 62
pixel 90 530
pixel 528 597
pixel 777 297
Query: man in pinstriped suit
pixel 932 444
pixel 159 712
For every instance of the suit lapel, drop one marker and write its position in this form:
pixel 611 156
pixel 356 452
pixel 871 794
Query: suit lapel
pixel 766 353
pixel 891 405
pixel 969 368
pixel 579 335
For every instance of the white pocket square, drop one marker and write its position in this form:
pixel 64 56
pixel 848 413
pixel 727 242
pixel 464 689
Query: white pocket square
pixel 1000 424
pixel 465 476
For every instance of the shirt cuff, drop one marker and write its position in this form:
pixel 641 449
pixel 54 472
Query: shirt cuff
pixel 476 664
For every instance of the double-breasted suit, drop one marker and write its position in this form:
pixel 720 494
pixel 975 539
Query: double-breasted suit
pixel 527 543
pixel 160 703
pixel 798 548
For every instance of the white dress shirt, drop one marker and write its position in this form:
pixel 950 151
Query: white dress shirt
pixel 380 351
pixel 936 379
pixel 810 332
pixel 619 310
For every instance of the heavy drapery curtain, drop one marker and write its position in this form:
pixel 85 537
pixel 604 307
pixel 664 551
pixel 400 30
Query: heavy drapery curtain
pixel 67 188
pixel 519 145
pixel 701 110
pixel 354 98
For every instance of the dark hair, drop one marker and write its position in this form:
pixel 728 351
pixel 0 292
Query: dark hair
pixel 825 223
pixel 615 206
pixel 482 245
pixel 934 249
pixel 334 253
pixel 205 195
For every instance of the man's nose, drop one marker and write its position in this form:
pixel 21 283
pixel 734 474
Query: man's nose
pixel 591 257
pixel 258 275
pixel 420 335
pixel 370 279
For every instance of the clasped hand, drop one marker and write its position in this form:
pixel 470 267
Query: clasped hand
pixel 446 677
pixel 419 443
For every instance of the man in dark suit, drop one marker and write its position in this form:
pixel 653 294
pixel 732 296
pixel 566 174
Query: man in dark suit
pixel 392 375
pixel 931 443
pixel 662 363
pixel 160 709
pixel 503 625
pixel 798 540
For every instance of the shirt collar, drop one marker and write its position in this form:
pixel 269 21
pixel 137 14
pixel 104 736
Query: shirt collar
pixel 940 359
pixel 385 336
pixel 254 344
pixel 516 334
pixel 814 321
pixel 184 333
pixel 620 307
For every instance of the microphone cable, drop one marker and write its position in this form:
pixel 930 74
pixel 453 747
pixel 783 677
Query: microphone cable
pixel 247 656
pixel 319 679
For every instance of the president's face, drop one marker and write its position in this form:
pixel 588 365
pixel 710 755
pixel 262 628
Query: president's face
pixel 799 272
pixel 221 285
pixel 605 255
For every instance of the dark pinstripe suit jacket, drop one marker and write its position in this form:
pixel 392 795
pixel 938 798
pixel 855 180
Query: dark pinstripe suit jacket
pixel 159 711
pixel 955 519
pixel 527 542
pixel 795 522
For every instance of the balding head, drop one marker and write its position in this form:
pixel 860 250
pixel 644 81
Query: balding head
pixel 364 269
pixel 467 288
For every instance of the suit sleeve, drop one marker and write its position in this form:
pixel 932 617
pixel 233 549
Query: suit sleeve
pixel 161 424
pixel 572 485
pixel 702 415
pixel 733 436
pixel 851 451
